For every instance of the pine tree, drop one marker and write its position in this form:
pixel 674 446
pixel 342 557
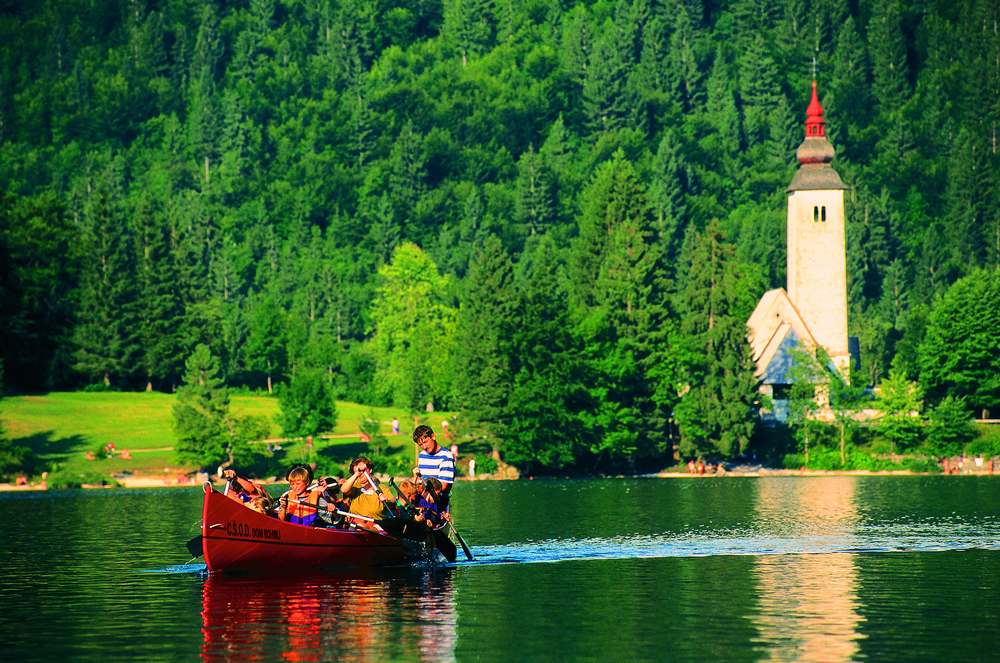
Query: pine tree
pixel 107 347
pixel 684 64
pixel 265 347
pixel 720 107
pixel 719 411
pixel 759 89
pixel 888 53
pixel 577 45
pixel 848 104
pixel 619 293
pixel 406 172
pixel 548 422
pixel 202 422
pixel 533 207
pixel 307 405
pixel 483 333
pixel 159 307
pixel 604 98
pixel 666 195
pixel 468 26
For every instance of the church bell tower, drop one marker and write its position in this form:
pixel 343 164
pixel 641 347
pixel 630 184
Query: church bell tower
pixel 817 258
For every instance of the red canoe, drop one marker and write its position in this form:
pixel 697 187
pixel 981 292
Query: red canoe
pixel 236 538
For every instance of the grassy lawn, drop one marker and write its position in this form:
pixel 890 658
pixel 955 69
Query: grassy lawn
pixel 64 426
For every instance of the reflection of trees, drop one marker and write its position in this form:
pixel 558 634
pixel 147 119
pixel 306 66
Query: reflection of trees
pixel 356 615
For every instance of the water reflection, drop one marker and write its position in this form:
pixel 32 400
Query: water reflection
pixel 356 615
pixel 808 604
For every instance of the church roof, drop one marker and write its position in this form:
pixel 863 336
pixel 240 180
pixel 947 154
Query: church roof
pixel 815 177
pixel 775 327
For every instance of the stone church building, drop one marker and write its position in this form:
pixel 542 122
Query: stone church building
pixel 813 310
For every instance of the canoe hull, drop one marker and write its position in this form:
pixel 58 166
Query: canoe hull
pixel 236 538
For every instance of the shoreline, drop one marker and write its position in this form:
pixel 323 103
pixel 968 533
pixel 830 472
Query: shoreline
pixel 172 481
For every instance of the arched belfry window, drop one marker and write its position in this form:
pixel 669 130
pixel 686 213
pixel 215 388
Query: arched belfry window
pixel 815 213
pixel 822 213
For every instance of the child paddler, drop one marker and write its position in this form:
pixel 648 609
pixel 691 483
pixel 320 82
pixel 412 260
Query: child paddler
pixel 241 489
pixel 362 497
pixel 299 504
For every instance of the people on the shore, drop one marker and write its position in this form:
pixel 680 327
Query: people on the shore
pixel 361 497
pixel 434 462
pixel 299 504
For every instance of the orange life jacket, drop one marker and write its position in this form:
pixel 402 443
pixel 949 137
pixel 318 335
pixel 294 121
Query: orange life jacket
pixel 300 513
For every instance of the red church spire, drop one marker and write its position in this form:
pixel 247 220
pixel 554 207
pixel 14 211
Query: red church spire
pixel 814 121
pixel 815 148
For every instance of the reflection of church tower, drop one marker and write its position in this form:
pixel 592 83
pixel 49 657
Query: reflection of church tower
pixel 808 604
pixel 813 311
pixel 817 262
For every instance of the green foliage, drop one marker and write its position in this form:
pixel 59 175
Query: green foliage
pixel 960 354
pixel 15 459
pixel 68 480
pixel 307 405
pixel 828 458
pixel 900 402
pixel 414 323
pixel 485 464
pixel 719 412
pixel 549 400
pixel 243 176
pixel 483 375
pixel 201 413
pixel 987 443
pixel 372 427
pixel 950 427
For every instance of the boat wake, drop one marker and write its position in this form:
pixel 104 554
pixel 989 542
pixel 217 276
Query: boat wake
pixel 637 547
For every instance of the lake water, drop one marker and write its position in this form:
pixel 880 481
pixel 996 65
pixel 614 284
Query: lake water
pixel 896 568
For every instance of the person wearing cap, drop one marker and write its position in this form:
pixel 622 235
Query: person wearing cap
pixel 434 462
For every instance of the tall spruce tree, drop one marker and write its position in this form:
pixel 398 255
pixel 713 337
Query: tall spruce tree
pixel 106 340
pixel 202 421
pixel 719 411
pixel 486 321
pixel 159 313
pixel 548 422
pixel 620 295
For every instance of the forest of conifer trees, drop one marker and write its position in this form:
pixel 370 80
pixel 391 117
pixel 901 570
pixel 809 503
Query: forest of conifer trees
pixel 519 209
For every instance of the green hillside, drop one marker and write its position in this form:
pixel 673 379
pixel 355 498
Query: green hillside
pixel 63 427
pixel 554 216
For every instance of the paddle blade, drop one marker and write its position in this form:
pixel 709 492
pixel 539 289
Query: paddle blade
pixel 404 527
pixel 444 545
pixel 194 546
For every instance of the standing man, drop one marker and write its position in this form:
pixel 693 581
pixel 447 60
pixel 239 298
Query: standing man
pixel 435 461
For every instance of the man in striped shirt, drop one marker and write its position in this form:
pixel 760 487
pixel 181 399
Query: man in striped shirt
pixel 435 461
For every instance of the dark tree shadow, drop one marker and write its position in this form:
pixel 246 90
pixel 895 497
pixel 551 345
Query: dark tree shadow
pixel 45 443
